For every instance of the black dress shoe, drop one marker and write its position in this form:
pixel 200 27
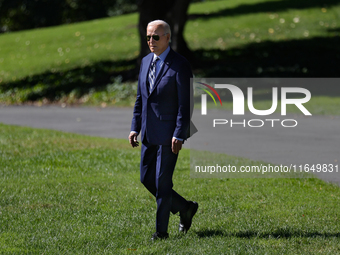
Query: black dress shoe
pixel 186 217
pixel 159 236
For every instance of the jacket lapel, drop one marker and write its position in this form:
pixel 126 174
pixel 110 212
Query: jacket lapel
pixel 164 69
pixel 145 73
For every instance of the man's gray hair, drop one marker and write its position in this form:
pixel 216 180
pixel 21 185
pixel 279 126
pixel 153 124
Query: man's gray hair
pixel 163 24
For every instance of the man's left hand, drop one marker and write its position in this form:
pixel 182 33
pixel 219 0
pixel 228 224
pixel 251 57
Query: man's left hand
pixel 176 145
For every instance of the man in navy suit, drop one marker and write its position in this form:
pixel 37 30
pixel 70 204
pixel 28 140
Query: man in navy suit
pixel 162 116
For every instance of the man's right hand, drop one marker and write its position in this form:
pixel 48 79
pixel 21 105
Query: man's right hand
pixel 133 139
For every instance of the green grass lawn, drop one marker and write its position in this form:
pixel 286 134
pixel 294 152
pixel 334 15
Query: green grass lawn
pixel 69 46
pixel 64 193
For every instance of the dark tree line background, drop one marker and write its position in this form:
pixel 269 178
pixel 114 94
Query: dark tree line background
pixel 27 14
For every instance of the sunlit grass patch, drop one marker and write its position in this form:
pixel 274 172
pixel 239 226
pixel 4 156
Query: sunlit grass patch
pixel 68 193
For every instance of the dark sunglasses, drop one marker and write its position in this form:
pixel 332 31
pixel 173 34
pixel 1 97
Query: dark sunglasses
pixel 155 37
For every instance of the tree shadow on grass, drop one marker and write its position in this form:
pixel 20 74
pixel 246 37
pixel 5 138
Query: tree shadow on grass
pixel 268 6
pixel 334 30
pixel 314 57
pixel 54 85
pixel 279 233
pixel 310 57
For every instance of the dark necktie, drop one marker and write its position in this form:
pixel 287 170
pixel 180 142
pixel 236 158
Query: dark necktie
pixel 152 74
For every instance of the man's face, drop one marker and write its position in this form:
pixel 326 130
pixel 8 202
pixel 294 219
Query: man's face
pixel 159 46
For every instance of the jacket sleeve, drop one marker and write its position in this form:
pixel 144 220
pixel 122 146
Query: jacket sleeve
pixel 183 92
pixel 137 111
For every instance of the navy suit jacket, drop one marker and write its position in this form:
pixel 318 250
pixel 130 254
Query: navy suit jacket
pixel 165 112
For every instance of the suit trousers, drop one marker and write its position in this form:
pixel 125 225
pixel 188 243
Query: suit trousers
pixel 156 169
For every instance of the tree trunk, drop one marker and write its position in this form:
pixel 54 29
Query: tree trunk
pixel 174 12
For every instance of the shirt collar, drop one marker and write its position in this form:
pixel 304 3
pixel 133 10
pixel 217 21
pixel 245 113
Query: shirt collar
pixel 163 55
